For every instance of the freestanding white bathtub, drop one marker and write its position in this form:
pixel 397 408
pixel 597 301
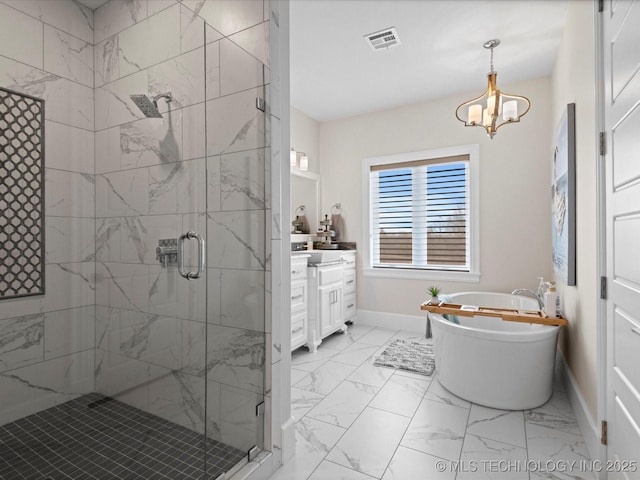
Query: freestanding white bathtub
pixel 492 362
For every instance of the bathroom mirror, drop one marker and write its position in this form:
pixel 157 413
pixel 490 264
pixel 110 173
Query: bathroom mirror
pixel 305 190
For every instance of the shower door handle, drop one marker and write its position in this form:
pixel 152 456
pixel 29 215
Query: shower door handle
pixel 201 255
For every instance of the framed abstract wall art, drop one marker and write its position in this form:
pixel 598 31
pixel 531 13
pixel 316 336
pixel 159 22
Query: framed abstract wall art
pixel 563 198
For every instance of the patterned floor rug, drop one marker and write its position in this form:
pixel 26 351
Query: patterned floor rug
pixel 406 355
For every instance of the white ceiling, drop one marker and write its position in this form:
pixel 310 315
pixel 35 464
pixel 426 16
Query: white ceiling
pixel 335 73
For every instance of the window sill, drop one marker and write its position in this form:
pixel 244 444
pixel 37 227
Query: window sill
pixel 470 277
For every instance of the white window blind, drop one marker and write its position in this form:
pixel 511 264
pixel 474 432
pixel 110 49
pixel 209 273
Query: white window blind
pixel 420 214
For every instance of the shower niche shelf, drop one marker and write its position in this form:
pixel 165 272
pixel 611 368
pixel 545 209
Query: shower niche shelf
pixel 21 195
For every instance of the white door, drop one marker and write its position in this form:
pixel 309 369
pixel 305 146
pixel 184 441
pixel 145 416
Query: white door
pixel 621 38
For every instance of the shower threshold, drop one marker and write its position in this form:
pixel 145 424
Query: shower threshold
pixel 97 437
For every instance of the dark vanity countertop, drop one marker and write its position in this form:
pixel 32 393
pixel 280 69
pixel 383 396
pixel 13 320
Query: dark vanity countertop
pixel 300 246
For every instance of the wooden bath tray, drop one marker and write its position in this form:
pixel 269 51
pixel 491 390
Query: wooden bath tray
pixel 508 314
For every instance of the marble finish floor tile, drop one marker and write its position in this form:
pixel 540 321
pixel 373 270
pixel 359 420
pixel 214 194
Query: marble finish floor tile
pixel 370 443
pixel 340 341
pixel 329 470
pixel 314 441
pixel 500 425
pixel 410 464
pixel 362 422
pixel 371 375
pixel 302 401
pixel 437 429
pixel 438 393
pixel 401 394
pixel 297 375
pixel 548 446
pixel 342 406
pixel 326 378
pixel 356 354
pixel 483 458
pixel 358 330
pixel 302 359
pixel 555 414
pixel 378 336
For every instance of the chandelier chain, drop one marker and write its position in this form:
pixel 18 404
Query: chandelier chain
pixel 491 59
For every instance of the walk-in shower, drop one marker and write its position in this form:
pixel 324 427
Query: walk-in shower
pixel 150 106
pixel 138 360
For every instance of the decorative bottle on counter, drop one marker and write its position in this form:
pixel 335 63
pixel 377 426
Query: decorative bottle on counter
pixel 550 298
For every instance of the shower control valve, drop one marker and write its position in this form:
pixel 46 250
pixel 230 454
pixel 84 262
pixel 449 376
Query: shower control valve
pixel 167 252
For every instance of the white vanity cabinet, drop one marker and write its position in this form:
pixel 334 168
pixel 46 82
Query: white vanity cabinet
pixel 323 295
pixel 330 303
pixel 299 297
pixel 326 311
pixel 349 286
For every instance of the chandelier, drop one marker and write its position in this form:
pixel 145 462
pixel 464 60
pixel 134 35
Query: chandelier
pixel 493 108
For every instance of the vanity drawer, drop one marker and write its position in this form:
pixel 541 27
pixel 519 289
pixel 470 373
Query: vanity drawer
pixel 350 306
pixel 349 282
pixel 298 296
pixel 297 322
pixel 350 260
pixel 298 329
pixel 327 275
pixel 298 269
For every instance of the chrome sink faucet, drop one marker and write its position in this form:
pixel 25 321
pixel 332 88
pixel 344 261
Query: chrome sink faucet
pixel 530 293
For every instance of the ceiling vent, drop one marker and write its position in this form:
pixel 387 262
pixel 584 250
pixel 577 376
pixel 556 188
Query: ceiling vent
pixel 386 38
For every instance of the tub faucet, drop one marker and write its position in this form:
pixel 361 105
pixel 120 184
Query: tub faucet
pixel 530 293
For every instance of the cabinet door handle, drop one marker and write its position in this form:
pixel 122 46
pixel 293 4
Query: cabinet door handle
pixel 297 297
pixel 297 330
pixel 350 305
pixel 293 272
pixel 349 282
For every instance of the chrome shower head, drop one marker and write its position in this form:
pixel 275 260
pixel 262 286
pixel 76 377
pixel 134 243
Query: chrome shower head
pixel 150 107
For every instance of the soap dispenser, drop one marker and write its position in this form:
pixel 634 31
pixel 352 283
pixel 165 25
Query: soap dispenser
pixel 542 287
pixel 550 299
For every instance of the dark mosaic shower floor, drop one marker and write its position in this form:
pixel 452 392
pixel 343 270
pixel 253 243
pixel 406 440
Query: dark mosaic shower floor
pixel 96 437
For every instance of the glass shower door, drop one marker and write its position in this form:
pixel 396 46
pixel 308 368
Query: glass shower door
pixel 238 157
pixel 151 235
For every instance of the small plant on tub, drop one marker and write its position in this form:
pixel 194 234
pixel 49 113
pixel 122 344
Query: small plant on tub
pixel 434 292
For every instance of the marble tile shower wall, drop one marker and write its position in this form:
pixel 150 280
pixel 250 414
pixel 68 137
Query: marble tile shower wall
pixel 47 342
pixel 157 178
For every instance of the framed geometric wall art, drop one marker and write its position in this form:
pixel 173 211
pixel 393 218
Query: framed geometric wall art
pixel 563 198
pixel 21 195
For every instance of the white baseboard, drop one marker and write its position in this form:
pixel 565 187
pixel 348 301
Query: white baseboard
pixel 588 426
pixel 394 321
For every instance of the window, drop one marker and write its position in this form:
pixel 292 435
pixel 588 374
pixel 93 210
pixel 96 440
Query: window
pixel 421 212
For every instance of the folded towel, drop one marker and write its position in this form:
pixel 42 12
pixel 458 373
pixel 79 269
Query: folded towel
pixel 451 318
pixel 304 228
pixel 337 225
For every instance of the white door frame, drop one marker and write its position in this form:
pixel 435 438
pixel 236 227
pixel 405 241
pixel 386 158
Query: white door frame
pixel 601 232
